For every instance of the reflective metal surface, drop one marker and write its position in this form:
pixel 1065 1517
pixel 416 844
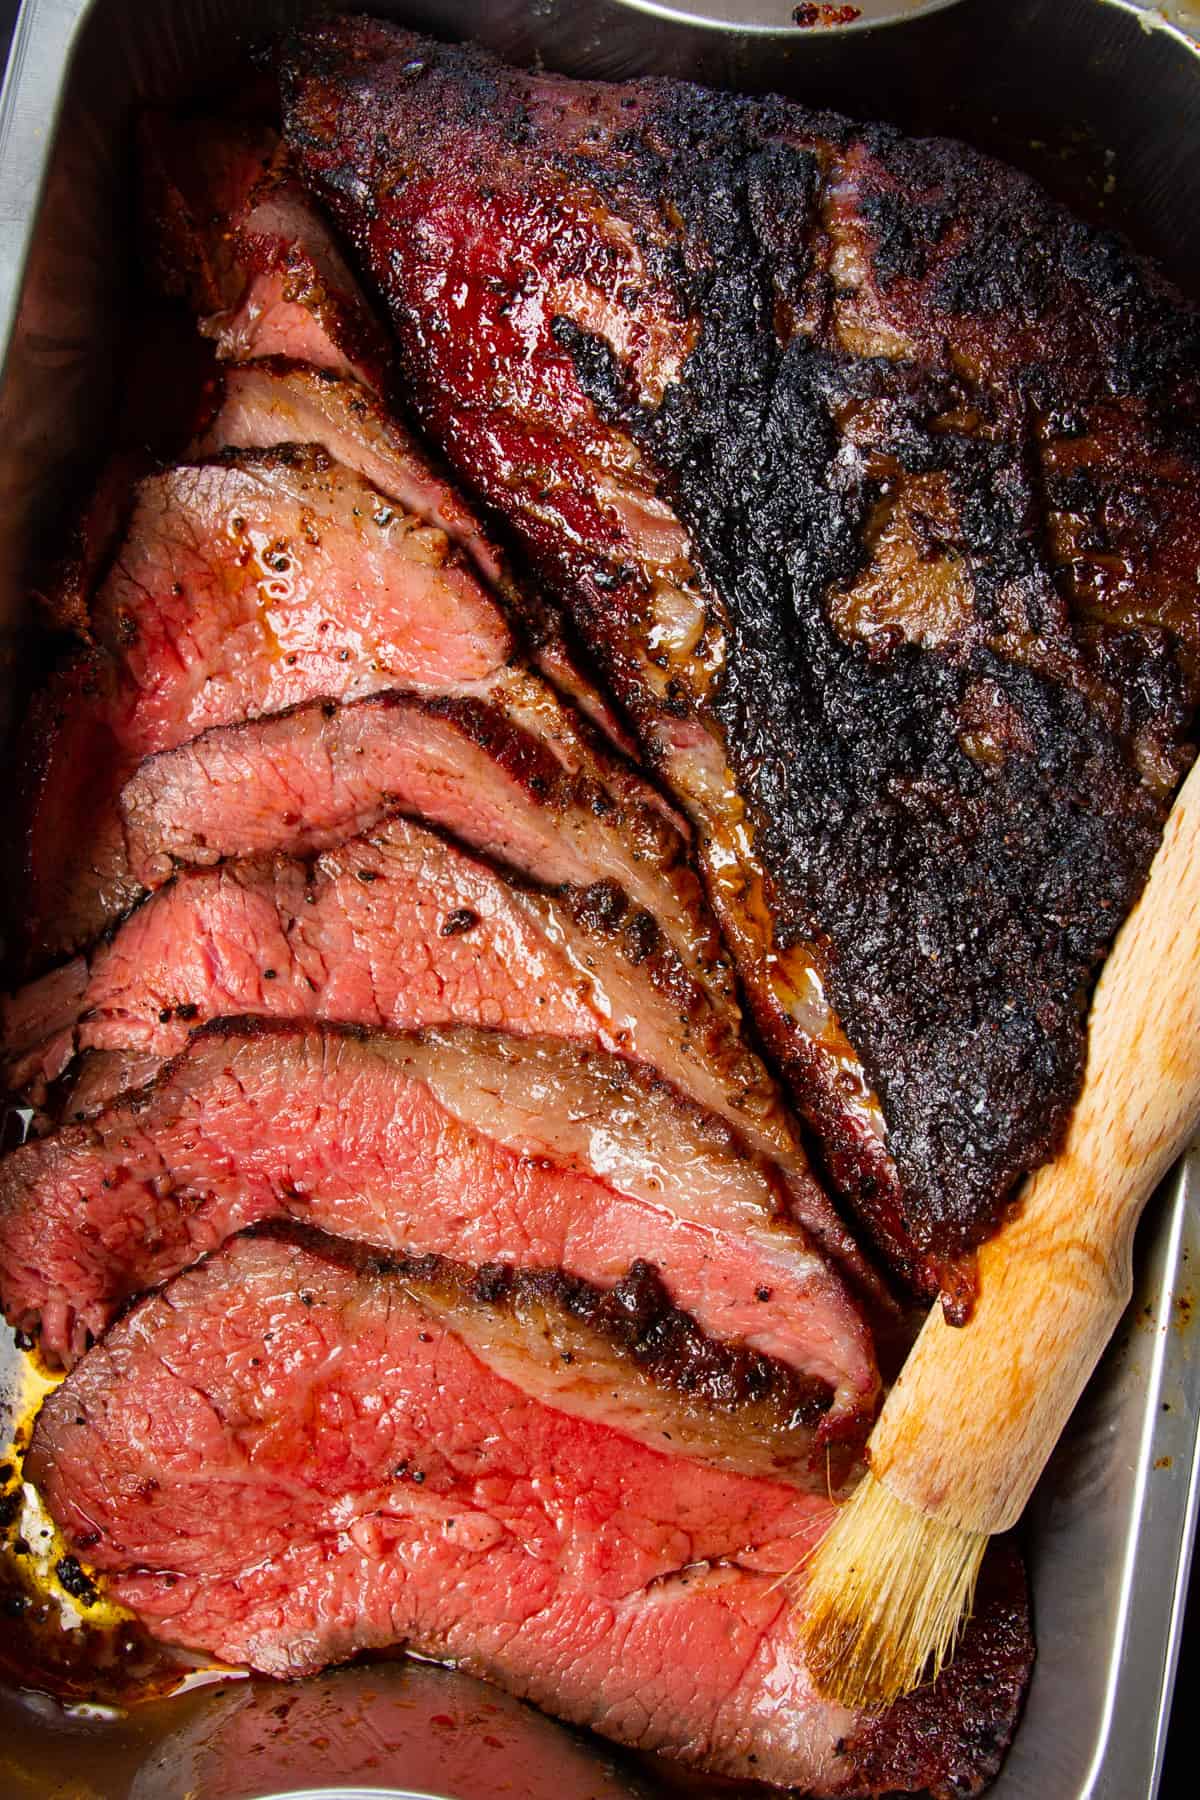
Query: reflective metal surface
pixel 786 16
pixel 1101 100
pixel 393 1731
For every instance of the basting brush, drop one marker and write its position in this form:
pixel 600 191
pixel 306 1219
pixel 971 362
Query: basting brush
pixel 970 1424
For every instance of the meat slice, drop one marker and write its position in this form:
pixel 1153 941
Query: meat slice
pixel 233 233
pixel 303 550
pixel 396 929
pixel 243 586
pixel 273 401
pixel 515 777
pixel 508 771
pixel 866 470
pixel 199 620
pixel 263 576
pixel 296 1454
pixel 454 1141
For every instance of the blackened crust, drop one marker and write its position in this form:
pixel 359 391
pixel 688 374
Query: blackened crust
pixel 963 906
pixel 878 341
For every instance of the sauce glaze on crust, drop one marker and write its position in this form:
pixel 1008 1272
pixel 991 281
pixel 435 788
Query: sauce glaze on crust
pixel 866 472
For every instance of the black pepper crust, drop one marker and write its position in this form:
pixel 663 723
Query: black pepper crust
pixel 874 335
pixel 637 1321
pixel 964 909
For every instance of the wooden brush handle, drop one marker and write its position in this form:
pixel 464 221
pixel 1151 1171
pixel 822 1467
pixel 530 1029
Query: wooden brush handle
pixel 972 1420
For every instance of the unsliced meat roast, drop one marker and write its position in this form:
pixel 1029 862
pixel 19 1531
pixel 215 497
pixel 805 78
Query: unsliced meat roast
pixel 869 473
pixel 295 1454
pixel 458 1141
pixel 244 585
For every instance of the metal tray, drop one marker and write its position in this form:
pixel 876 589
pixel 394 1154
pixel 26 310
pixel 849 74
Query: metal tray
pixel 1101 100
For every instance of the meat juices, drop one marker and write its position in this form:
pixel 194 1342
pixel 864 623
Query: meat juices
pixel 866 471
pixel 292 1456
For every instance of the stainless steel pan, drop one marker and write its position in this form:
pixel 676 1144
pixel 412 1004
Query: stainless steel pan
pixel 1100 99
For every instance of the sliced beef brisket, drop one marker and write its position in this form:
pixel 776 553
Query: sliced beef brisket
pixel 507 770
pixel 246 582
pixel 233 233
pixel 296 1453
pixel 868 472
pixel 273 401
pixel 262 575
pixel 515 776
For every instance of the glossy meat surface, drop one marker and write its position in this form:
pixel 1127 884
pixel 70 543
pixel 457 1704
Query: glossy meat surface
pixel 292 1455
pixel 231 231
pixel 868 473
pixel 458 1141
pixel 274 401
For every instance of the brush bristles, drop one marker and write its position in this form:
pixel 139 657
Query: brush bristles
pixel 885 1595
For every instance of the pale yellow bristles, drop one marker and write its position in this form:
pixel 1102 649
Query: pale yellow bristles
pixel 885 1595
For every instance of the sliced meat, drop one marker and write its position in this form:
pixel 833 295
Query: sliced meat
pixel 252 582
pixel 242 586
pixel 868 473
pixel 396 929
pixel 510 772
pixel 296 1454
pixel 519 776
pixel 89 1084
pixel 235 235
pixel 197 179
pixel 455 1141
pixel 514 777
pixel 272 401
